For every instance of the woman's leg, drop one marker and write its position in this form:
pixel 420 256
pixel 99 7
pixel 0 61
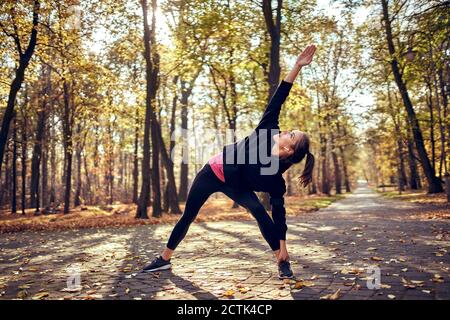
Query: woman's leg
pixel 248 199
pixel 204 184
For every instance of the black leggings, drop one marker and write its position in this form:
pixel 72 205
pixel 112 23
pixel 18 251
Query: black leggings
pixel 205 184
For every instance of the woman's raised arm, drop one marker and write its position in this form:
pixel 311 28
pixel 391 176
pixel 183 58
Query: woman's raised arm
pixel 303 59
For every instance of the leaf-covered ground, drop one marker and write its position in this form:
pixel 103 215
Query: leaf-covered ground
pixel 335 252
pixel 217 208
pixel 435 206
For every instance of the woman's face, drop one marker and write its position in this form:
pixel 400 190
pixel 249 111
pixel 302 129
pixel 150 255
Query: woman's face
pixel 285 142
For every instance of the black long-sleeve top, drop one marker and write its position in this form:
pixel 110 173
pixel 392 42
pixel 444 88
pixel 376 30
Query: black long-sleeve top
pixel 246 174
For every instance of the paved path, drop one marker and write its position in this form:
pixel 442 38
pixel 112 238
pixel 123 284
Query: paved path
pixel 330 249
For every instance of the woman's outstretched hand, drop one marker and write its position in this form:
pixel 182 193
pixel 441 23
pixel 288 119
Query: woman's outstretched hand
pixel 303 59
pixel 306 56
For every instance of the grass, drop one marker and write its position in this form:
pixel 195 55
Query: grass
pixel 415 196
pixel 217 208
pixel 432 206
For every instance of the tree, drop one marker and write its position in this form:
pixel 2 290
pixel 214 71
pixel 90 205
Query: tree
pixel 152 70
pixel 24 57
pixel 434 185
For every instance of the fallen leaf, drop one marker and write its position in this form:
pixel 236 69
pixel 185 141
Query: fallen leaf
pixel 303 283
pixel 376 258
pixel 408 284
pixel 349 284
pixel 72 289
pixel 352 271
pixel 438 278
pixel 40 295
pixel 243 290
pixel 332 296
pixel 24 286
pixel 228 293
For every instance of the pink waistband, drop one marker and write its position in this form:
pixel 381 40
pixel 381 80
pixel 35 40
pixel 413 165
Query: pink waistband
pixel 216 164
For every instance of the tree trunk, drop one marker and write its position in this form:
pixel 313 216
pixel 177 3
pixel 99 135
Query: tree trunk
pixel 186 91
pixel 14 168
pixel 432 138
pixel 110 167
pixel 312 188
pixel 184 168
pixel 414 179
pixel 447 186
pixel 152 70
pixel 345 170
pixel 323 156
pixel 77 196
pixel 44 179
pixel 35 163
pixel 24 156
pixel 289 191
pixel 441 126
pixel 444 94
pixel 88 179
pixel 48 106
pixel 171 186
pixel 337 169
pixel 67 129
pixel 434 184
pixel 53 172
pixel 96 157
pixel 37 150
pixel 135 158
pixel 401 175
pixel 5 189
pixel 171 191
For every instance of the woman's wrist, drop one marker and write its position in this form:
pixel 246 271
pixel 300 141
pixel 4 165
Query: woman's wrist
pixel 290 77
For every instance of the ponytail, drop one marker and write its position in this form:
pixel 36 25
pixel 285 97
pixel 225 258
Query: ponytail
pixel 307 173
pixel 301 150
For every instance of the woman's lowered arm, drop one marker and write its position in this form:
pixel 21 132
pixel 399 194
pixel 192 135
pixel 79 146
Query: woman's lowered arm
pixel 303 59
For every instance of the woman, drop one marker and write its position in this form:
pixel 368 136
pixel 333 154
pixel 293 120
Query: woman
pixel 236 175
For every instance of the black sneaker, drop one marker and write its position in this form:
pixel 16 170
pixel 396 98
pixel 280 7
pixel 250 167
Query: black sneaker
pixel 285 271
pixel 158 264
